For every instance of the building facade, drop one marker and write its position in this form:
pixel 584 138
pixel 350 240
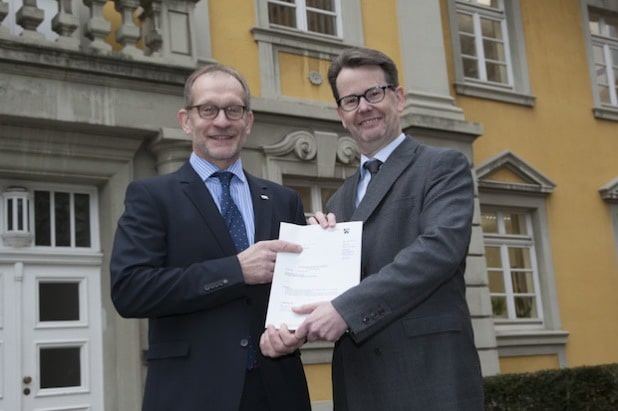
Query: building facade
pixel 89 92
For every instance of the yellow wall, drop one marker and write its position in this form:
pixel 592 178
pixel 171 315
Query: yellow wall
pixel 560 138
pixel 512 365
pixel 319 382
pixel 231 40
pixel 294 76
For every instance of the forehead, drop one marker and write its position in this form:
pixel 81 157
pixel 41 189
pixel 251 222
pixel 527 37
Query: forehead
pixel 217 87
pixel 355 80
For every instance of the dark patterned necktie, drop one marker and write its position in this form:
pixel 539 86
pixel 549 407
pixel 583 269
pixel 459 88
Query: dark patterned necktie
pixel 236 227
pixel 231 214
pixel 373 166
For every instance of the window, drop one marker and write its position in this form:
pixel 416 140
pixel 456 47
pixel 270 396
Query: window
pixel 490 60
pixel 46 216
pixel 511 264
pixel 603 56
pixel 314 16
pixel 518 257
pixel 313 192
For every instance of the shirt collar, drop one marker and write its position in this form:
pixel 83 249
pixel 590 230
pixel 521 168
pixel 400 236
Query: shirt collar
pixel 383 154
pixel 205 169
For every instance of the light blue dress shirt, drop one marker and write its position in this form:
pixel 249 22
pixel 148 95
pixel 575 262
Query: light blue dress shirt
pixel 239 189
pixel 365 176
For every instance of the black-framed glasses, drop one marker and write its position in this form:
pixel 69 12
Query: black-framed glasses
pixel 209 111
pixel 373 95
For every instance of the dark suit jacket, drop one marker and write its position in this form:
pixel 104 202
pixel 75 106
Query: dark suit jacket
pixel 410 344
pixel 174 263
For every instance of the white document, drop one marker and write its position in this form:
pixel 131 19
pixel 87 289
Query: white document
pixel 328 265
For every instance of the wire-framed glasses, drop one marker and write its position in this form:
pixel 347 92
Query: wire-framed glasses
pixel 209 111
pixel 373 95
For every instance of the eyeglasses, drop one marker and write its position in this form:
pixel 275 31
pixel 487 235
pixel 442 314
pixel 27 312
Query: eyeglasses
pixel 373 95
pixel 210 112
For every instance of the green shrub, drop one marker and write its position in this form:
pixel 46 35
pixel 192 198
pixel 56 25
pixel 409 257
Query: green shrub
pixel 589 388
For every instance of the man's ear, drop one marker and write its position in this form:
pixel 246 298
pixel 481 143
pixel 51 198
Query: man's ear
pixel 184 120
pixel 249 124
pixel 340 113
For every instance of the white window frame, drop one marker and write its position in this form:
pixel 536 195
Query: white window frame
pixel 526 338
pixel 517 88
pixel 505 241
pixel 606 43
pixel 52 188
pixel 301 9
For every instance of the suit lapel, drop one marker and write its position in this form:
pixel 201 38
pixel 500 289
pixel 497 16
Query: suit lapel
pixel 396 163
pixel 200 197
pixel 262 208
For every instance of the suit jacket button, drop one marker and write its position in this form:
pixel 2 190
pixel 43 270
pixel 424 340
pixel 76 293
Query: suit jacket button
pixel 365 320
pixel 244 342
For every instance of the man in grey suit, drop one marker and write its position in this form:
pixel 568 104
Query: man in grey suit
pixel 404 338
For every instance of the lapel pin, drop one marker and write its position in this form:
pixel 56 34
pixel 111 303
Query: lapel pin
pixel 264 197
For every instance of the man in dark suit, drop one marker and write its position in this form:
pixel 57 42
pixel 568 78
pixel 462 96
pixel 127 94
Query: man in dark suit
pixel 404 338
pixel 204 293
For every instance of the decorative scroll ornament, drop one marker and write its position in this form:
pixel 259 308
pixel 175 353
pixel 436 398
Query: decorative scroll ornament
pixel 303 143
pixel 347 150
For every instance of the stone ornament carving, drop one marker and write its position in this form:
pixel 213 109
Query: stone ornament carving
pixel 347 150
pixel 302 143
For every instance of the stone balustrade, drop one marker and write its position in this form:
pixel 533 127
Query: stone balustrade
pixel 165 31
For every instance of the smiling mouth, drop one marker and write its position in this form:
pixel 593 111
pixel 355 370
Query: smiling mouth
pixel 369 122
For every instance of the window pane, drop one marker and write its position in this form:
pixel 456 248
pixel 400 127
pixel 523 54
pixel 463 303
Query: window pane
pixel 489 221
pixel 496 282
pixel 82 220
pixel 9 210
pixel 42 218
pixel 328 5
pixel 491 29
pixel 515 223
pixel 305 195
pixel 62 212
pixel 522 282
pixel 321 23
pixel 60 367
pixel 498 306
pixel 493 258
pixel 470 68
pixel 282 15
pixel 468 46
pixel 519 258
pixel 496 73
pixel 327 192
pixel 612 26
pixel 525 307
pixel 494 50
pixel 59 301
pixel 465 23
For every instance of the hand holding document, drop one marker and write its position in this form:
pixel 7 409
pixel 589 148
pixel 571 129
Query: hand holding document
pixel 328 265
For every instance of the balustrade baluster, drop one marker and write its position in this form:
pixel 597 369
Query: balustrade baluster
pixel 128 34
pixel 30 17
pixel 151 27
pixel 65 23
pixel 97 27
pixel 4 11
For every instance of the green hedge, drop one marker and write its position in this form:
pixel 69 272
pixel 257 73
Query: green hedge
pixel 590 388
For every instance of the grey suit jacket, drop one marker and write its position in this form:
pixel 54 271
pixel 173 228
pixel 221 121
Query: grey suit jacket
pixel 410 344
